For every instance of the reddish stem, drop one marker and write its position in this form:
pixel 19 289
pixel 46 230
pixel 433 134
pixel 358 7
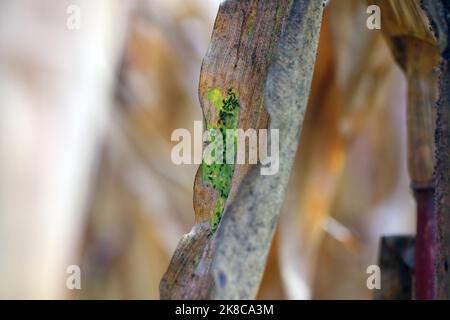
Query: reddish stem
pixel 425 244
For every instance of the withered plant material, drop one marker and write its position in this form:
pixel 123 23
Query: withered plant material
pixel 137 208
pixel 225 253
pixel 415 49
pixel 236 65
pixel 353 72
pixel 439 14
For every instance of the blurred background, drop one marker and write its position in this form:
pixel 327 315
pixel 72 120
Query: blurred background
pixel 90 92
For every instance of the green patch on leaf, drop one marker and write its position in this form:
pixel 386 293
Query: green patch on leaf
pixel 217 215
pixel 219 175
pixel 215 98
